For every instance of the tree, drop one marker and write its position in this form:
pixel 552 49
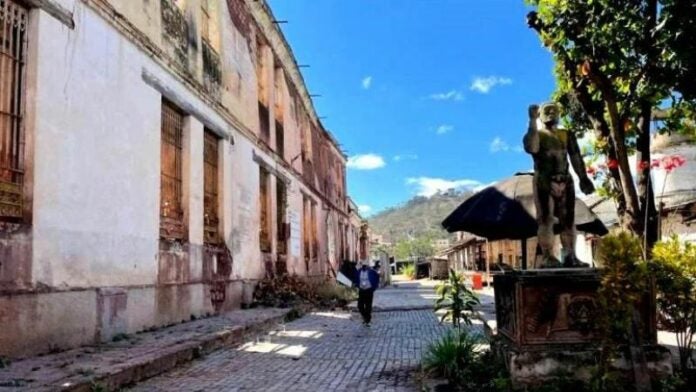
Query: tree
pixel 419 247
pixel 675 271
pixel 456 300
pixel 620 64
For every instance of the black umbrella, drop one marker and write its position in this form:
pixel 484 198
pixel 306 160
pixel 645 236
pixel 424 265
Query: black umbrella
pixel 506 210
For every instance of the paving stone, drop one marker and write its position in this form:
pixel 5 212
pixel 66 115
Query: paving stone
pixel 138 356
pixel 323 351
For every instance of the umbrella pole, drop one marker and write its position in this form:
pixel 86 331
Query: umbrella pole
pixel 524 253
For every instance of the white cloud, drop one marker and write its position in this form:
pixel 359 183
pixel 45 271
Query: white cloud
pixel 484 84
pixel 500 145
pixel 405 157
pixel 428 186
pixel 443 129
pixel 452 95
pixel 364 209
pixel 365 162
pixel 367 82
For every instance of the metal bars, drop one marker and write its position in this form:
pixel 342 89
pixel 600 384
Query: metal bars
pixel 264 211
pixel 13 41
pixel 210 184
pixel 171 206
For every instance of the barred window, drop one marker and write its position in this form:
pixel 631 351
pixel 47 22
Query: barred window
pixel 306 229
pixel 171 204
pixel 205 20
pixel 280 139
pixel 315 238
pixel 264 123
pixel 281 211
pixel 210 180
pixel 264 211
pixel 13 40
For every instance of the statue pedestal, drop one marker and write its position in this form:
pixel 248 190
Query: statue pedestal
pixel 547 321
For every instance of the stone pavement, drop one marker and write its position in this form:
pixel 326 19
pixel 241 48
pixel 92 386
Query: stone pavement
pixel 403 295
pixel 135 357
pixel 325 351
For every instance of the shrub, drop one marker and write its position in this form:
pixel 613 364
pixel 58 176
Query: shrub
pixel 674 265
pixel 335 293
pixel 291 290
pixel 625 279
pixel 456 299
pixel 460 357
pixel 452 355
pixel 409 271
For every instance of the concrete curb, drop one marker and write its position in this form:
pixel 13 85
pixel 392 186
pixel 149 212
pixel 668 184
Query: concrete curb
pixel 116 375
pixel 179 354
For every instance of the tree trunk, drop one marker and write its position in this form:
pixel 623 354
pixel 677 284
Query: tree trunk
pixel 648 212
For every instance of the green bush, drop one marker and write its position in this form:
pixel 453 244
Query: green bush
pixel 625 284
pixel 674 267
pixel 460 357
pixel 456 299
pixel 409 271
pixel 452 355
pixel 625 280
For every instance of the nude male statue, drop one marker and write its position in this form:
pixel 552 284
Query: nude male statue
pixel 554 193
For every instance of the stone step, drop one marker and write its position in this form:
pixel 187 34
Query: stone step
pixel 137 357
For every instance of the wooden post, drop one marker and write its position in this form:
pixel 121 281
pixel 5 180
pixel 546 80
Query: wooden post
pixel 488 267
pixel 524 253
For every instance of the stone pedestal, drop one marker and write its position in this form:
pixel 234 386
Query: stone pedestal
pixel 547 322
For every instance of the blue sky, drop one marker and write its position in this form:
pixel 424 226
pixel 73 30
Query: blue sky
pixel 422 94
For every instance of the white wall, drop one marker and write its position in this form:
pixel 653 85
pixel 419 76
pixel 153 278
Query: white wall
pixel 97 162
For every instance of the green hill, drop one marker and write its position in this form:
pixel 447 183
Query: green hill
pixel 418 217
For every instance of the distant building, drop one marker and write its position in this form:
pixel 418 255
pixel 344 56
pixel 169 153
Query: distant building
pixel 441 244
pixel 357 235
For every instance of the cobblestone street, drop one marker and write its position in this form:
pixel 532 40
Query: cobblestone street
pixel 319 352
pixel 323 351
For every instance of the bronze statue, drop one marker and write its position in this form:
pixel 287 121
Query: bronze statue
pixel 554 193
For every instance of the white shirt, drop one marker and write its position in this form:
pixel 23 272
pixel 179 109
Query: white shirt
pixel 365 280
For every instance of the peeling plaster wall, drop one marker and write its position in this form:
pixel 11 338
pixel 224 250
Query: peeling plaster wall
pixel 96 170
pixel 92 262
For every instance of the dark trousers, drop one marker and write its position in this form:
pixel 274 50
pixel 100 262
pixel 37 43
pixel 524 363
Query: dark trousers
pixel 365 304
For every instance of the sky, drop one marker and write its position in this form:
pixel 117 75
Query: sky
pixel 423 95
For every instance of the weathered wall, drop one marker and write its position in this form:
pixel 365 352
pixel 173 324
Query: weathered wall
pixel 94 96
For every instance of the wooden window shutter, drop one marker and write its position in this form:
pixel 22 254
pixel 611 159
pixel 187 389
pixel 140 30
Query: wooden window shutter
pixel 171 203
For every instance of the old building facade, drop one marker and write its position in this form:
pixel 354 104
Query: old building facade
pixel 157 158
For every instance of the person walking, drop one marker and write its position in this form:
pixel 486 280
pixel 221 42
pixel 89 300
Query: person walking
pixel 367 281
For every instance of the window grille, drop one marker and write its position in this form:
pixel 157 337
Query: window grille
pixel 264 123
pixel 315 241
pixel 210 180
pixel 171 205
pixel 281 203
pixel 306 230
pixel 13 42
pixel 205 20
pixel 264 218
pixel 280 139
